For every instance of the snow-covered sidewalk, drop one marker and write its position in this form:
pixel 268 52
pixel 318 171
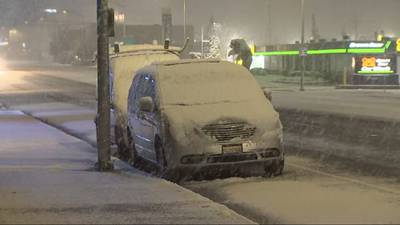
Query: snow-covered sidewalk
pixel 72 119
pixel 47 176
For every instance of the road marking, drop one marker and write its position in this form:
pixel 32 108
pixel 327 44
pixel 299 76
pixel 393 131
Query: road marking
pixel 362 183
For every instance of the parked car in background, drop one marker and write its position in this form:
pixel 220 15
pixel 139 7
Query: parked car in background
pixel 123 66
pixel 191 116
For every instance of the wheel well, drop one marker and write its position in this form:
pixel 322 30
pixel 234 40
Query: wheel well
pixel 157 141
pixel 128 132
pixel 158 147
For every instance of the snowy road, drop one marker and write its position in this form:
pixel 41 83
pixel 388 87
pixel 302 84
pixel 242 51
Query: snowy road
pixel 27 85
pixel 308 192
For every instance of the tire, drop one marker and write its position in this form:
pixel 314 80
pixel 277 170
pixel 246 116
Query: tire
pixel 161 161
pixel 279 169
pixel 276 169
pixel 162 164
pixel 123 148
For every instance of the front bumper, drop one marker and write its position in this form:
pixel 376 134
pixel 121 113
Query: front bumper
pixel 246 164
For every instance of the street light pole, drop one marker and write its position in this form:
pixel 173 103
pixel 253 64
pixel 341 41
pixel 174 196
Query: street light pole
pixel 184 20
pixel 302 48
pixel 124 27
pixel 269 18
pixel 103 94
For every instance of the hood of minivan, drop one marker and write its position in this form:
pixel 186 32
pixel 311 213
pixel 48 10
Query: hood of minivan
pixel 186 122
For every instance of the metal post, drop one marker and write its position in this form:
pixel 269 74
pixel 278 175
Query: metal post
pixel 302 46
pixel 269 22
pixel 202 42
pixel 123 26
pixel 103 94
pixel 124 30
pixel 184 20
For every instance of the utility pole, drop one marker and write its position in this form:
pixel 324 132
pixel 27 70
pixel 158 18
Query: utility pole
pixel 269 23
pixel 103 93
pixel 356 25
pixel 314 28
pixel 303 50
pixel 124 28
pixel 184 20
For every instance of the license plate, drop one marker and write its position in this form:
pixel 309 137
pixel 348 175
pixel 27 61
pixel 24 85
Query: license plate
pixel 232 148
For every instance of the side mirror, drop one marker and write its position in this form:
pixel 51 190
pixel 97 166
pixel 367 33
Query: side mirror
pixel 268 94
pixel 146 104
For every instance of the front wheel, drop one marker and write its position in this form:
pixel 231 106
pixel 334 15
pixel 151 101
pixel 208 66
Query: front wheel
pixel 161 161
pixel 123 148
pixel 276 169
pixel 163 170
pixel 279 169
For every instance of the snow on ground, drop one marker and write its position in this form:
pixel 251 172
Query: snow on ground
pixel 84 74
pixel 76 120
pixel 47 176
pixel 378 104
pixel 307 196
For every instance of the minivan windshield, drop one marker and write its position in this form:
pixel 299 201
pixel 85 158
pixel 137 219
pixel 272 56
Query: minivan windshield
pixel 207 83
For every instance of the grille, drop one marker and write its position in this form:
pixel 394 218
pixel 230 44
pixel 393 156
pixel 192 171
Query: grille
pixel 227 131
pixel 231 158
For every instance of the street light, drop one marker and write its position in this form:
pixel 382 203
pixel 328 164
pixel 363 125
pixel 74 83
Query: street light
pixel 119 17
pixel 51 11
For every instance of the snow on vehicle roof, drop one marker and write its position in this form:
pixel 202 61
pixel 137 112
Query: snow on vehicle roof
pixel 126 49
pixel 187 61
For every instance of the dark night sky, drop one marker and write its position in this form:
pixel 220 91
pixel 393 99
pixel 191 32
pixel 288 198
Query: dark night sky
pixel 247 18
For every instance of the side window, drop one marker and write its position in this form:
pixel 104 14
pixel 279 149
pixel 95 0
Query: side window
pixel 143 86
pixel 134 93
pixel 149 86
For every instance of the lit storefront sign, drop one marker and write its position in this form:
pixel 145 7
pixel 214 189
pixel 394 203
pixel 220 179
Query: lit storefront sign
pixel 378 65
pixel 366 45
pixel 352 48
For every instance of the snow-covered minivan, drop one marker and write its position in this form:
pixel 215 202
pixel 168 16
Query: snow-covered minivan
pixel 192 115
